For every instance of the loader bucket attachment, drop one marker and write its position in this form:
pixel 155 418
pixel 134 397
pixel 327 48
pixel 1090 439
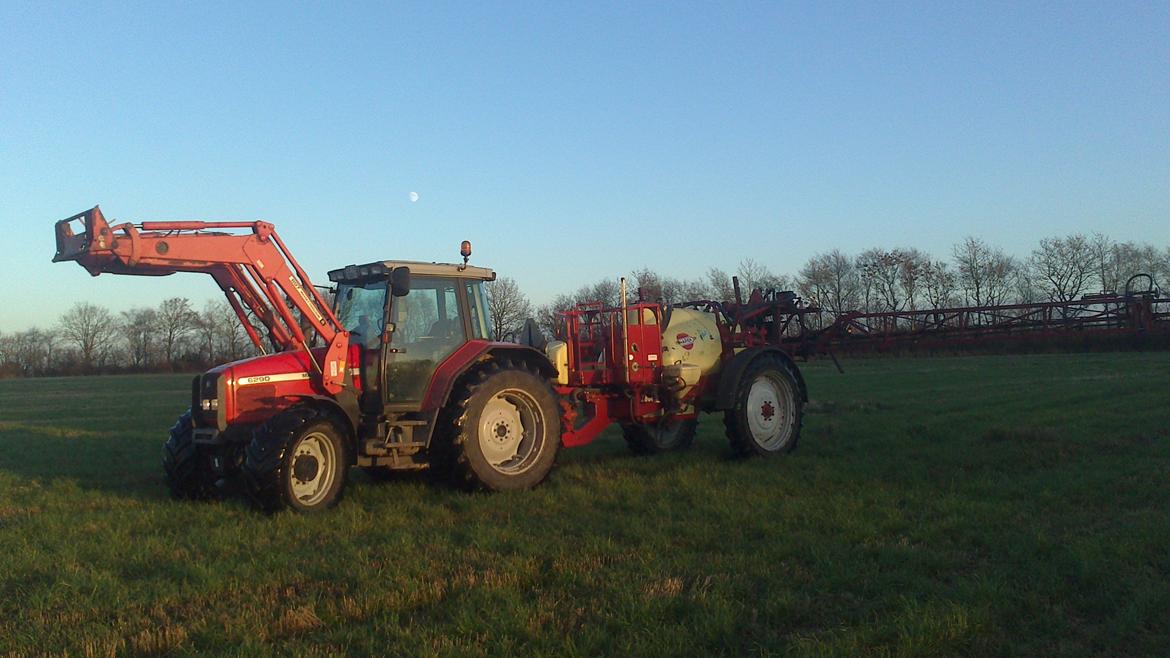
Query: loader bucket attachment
pixel 76 235
pixel 88 239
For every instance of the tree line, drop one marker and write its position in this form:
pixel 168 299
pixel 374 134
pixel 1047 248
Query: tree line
pixel 173 336
pixel 89 339
pixel 976 273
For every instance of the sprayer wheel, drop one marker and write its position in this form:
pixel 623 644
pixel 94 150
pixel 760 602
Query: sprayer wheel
pixel 666 436
pixel 768 411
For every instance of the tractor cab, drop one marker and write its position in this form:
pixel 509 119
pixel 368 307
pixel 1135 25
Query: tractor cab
pixel 409 317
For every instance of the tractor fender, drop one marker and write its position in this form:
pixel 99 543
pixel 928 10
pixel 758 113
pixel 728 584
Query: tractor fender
pixel 333 408
pixel 531 356
pixel 343 405
pixel 467 358
pixel 732 372
pixel 473 353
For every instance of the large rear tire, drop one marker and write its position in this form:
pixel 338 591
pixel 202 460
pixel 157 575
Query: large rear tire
pixel 188 467
pixel 506 429
pixel 666 436
pixel 297 460
pixel 767 411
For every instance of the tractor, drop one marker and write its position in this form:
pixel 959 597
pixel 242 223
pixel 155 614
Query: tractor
pixel 400 371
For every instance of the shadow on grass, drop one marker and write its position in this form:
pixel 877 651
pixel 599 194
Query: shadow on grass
pixel 97 460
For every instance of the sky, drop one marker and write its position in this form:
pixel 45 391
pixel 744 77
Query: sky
pixel 576 141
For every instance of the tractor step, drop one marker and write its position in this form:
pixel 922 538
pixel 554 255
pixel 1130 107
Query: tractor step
pixel 397 435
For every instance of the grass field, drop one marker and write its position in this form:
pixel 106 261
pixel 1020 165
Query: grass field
pixel 946 506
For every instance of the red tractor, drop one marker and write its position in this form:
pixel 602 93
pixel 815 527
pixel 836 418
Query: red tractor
pixel 401 372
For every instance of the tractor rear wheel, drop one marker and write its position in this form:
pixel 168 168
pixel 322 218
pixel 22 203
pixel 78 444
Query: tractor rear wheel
pixel 506 429
pixel 666 436
pixel 188 467
pixel 297 460
pixel 767 410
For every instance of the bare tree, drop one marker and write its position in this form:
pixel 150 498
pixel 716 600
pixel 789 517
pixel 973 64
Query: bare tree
pixel 985 273
pixel 910 272
pixel 1023 287
pixel 90 328
pixel 830 281
pixel 7 352
pixel 548 316
pixel 1129 258
pixel 939 283
pixel 175 320
pixel 719 285
pixel 686 290
pixel 230 338
pixel 139 328
pixel 205 330
pixel 882 270
pixel 26 353
pixel 607 292
pixel 1063 266
pixel 1104 253
pixel 1162 272
pixel 646 285
pixel 508 306
pixel 751 274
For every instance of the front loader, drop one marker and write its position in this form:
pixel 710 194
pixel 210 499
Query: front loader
pixel 401 371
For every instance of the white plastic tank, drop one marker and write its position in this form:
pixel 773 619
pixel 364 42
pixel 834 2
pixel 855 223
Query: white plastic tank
pixel 692 337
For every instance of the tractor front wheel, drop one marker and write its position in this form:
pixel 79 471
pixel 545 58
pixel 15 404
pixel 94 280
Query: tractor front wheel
pixel 188 468
pixel 297 460
pixel 506 429
pixel 767 410
pixel 666 436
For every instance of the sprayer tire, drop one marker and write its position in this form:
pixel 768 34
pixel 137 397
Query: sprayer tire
pixel 767 411
pixel 666 436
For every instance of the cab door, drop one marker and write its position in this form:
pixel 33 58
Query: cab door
pixel 425 327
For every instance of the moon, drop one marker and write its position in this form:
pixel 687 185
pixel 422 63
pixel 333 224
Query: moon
pixel 413 197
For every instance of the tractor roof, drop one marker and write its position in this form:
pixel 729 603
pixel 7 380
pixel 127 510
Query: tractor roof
pixel 417 268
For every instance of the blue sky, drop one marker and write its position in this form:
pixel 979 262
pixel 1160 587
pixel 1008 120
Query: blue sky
pixel 574 141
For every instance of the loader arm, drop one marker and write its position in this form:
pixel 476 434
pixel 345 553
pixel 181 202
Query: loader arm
pixel 248 261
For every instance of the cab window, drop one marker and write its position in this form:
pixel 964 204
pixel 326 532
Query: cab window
pixel 360 308
pixel 481 323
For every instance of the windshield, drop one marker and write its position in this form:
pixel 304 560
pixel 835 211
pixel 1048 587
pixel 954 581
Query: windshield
pixel 360 310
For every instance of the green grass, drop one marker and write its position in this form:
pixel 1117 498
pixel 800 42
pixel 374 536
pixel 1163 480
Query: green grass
pixel 952 506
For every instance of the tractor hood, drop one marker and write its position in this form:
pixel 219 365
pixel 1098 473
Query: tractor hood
pixel 251 390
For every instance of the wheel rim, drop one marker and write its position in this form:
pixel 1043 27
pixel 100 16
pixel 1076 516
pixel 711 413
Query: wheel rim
pixel 770 412
pixel 313 468
pixel 511 431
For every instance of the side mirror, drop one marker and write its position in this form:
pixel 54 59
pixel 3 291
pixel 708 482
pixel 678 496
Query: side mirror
pixel 400 281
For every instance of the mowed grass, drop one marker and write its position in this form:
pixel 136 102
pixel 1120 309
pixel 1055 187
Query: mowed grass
pixel 1007 505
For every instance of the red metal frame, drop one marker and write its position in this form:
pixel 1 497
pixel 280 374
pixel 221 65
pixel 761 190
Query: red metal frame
pixel 1045 322
pixel 255 270
pixel 612 379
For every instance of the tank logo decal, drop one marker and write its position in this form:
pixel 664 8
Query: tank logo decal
pixel 272 379
pixel 686 341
